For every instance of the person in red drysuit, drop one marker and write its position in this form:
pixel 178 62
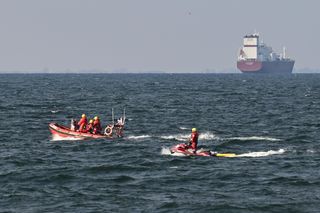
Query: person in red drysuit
pixel 193 142
pixel 90 126
pixel 96 125
pixel 83 123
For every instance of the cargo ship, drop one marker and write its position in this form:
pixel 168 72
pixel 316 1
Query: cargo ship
pixel 257 57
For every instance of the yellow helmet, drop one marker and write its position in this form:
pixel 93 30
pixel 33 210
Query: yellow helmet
pixel 83 115
pixel 194 129
pixel 96 118
pixel 91 121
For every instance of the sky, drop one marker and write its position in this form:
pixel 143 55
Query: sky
pixel 151 35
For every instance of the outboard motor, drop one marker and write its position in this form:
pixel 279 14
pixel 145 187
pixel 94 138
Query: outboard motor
pixel 73 125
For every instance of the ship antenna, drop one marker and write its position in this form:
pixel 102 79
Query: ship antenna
pixel 284 52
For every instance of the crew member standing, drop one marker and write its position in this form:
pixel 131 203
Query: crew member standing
pixel 83 123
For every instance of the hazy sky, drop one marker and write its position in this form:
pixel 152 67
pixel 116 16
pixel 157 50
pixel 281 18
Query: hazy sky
pixel 151 35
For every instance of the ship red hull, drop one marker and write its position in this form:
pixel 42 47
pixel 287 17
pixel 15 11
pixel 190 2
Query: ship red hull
pixel 280 66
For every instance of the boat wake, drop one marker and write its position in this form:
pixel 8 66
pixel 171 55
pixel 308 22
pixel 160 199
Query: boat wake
pixel 262 154
pixel 254 138
pixel 166 151
pixel 138 137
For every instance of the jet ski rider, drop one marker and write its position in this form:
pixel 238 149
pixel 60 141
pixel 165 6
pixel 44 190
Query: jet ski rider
pixel 193 142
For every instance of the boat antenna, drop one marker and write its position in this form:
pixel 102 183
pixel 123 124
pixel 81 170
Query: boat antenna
pixel 124 115
pixel 284 52
pixel 112 116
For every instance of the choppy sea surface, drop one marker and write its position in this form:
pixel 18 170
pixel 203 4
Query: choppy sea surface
pixel 271 122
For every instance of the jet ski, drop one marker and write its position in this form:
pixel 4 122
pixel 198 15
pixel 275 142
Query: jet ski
pixel 183 149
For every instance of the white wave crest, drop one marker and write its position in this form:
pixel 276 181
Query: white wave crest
pixel 138 137
pixel 54 111
pixel 59 138
pixel 262 154
pixel 185 137
pixel 183 128
pixel 254 138
pixel 207 136
pixel 178 137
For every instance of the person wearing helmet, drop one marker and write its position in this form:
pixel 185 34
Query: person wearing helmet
pixel 83 123
pixel 96 125
pixel 193 142
pixel 90 126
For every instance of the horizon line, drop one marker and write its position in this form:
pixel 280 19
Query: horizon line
pixel 124 71
pixel 137 73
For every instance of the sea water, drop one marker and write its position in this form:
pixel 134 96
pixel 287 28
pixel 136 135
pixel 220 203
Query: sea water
pixel 270 122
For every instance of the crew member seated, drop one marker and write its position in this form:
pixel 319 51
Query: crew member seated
pixel 96 125
pixel 90 126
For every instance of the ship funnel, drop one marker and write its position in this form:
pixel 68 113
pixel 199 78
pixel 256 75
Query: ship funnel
pixel 284 52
